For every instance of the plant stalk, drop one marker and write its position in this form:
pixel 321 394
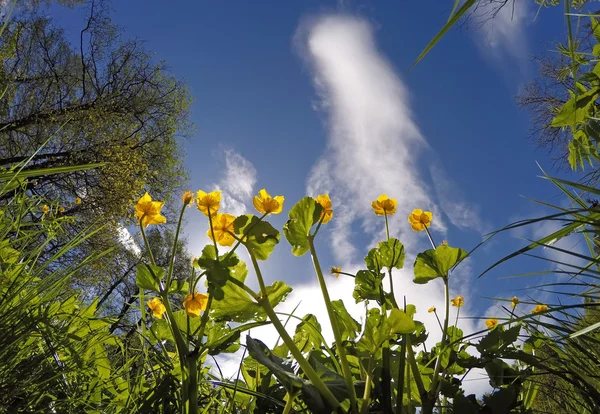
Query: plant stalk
pixel 334 327
pixel 297 354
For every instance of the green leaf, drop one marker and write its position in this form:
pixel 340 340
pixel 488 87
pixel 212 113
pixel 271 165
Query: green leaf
pixel 398 322
pixel 308 334
pixel 179 286
pixel 181 321
pixel 432 264
pixel 369 341
pixel 260 236
pixel 453 19
pixel 160 331
pixel 148 277
pixel 217 269
pixel 576 109
pixel 222 338
pixel 303 216
pixel 466 405
pixel 349 326
pixel 281 368
pixel 367 286
pixel 498 338
pixel 502 400
pixel 237 305
pixel 379 329
pixel 388 254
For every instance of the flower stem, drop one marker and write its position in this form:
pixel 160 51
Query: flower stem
pixel 289 404
pixel 334 326
pixel 192 367
pixel 297 354
pixel 146 243
pixel 430 238
pixel 212 232
pixel 401 376
pixel 387 228
pixel 368 384
pixel 204 319
pixel 172 258
pixel 435 382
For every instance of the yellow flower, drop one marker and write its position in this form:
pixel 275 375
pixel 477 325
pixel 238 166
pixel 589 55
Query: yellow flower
pixel 458 301
pixel 195 303
pixel 46 209
pixel 540 308
pixel 431 310
pixel 336 271
pixel 157 307
pixel 61 209
pixel 514 302
pixel 491 323
pixel 187 197
pixel 208 201
pixel 325 202
pixel 264 203
pixel 420 220
pixel 222 225
pixel 384 205
pixel 78 201
pixel 149 211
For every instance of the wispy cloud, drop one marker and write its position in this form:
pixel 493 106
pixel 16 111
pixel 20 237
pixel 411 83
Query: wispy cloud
pixel 461 213
pixel 503 28
pixel 373 142
pixel 237 184
pixel 373 147
pixel 127 240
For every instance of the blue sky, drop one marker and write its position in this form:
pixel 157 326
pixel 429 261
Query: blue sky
pixel 307 97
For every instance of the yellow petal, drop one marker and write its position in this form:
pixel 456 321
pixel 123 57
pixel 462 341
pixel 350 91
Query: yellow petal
pixel 417 213
pixel 377 208
pixel 279 200
pixel 258 205
pixel 263 194
pixel 417 226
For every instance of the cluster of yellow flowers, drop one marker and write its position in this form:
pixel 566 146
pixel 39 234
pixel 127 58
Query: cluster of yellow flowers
pixel 193 305
pixel 418 219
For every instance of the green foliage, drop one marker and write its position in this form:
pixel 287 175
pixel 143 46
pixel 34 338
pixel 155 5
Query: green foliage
pixel 432 264
pixel 389 254
pixel 260 236
pixel 303 215
pixel 149 276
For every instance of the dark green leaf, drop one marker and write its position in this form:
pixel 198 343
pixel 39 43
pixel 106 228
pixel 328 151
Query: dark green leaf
pixel 281 368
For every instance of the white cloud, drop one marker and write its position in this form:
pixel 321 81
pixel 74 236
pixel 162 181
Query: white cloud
pixel 127 240
pixel 503 28
pixel 373 142
pixel 237 184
